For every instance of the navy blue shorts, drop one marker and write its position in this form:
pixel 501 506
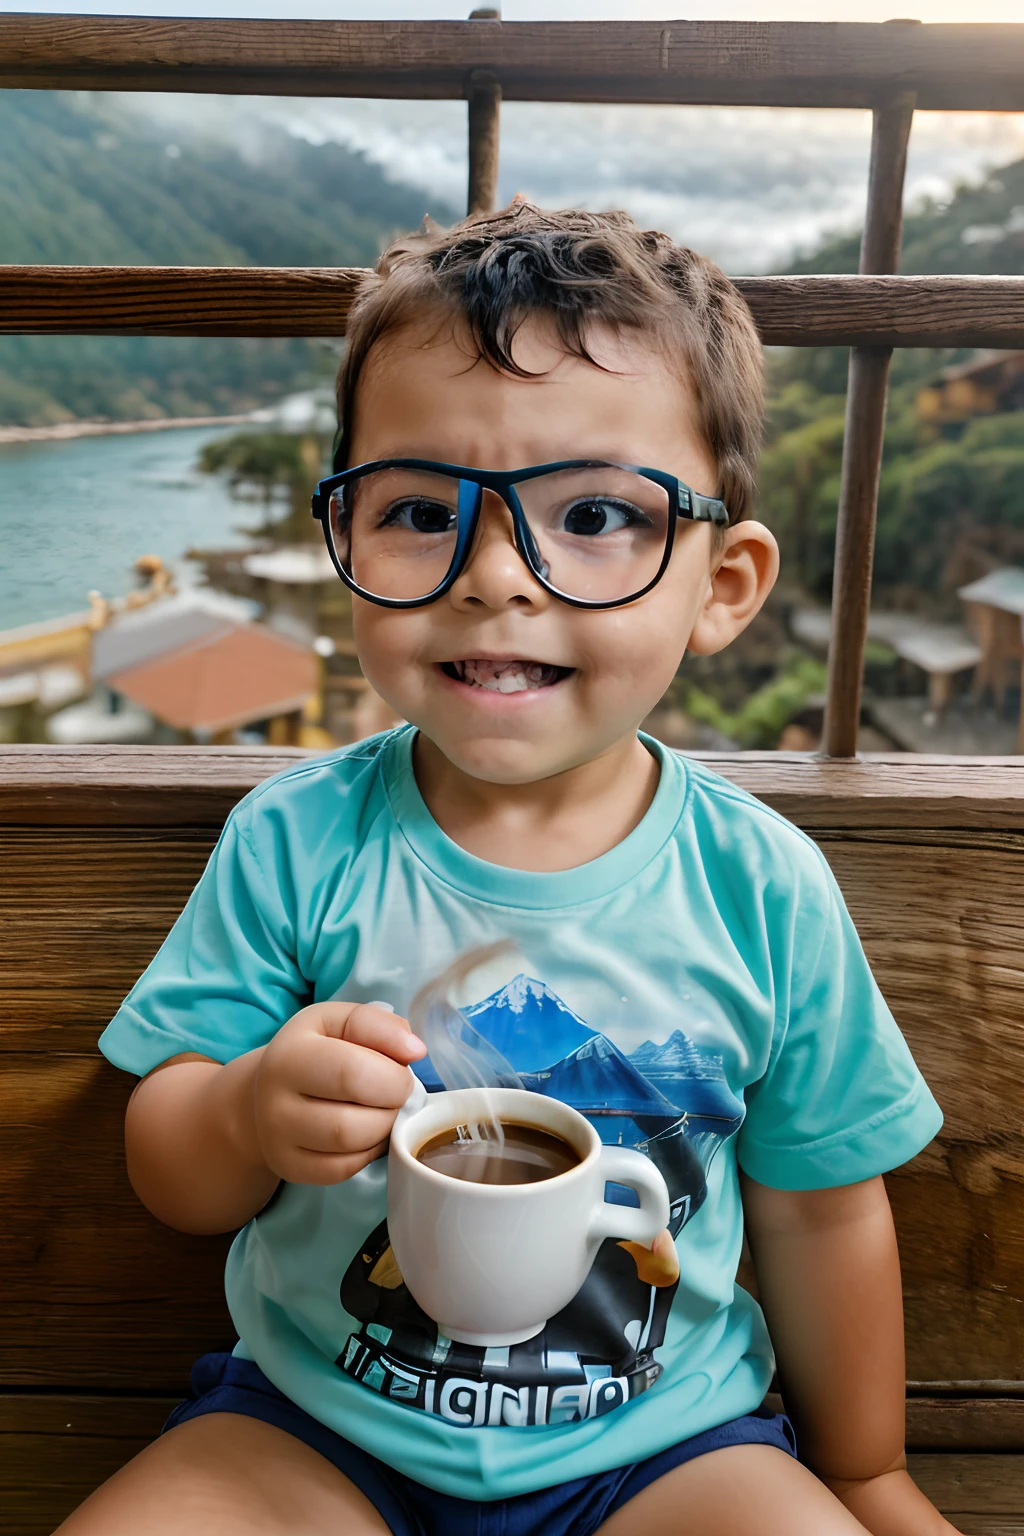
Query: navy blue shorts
pixel 224 1384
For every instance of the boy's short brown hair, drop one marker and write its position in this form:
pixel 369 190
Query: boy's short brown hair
pixel 493 271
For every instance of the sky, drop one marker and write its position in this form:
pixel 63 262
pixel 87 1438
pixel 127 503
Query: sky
pixel 750 186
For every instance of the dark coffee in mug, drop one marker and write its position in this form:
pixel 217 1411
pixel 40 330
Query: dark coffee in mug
pixel 528 1155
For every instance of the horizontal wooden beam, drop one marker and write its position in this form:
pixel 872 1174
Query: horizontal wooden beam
pixel 965 1423
pixel 792 64
pixel 315 301
pixel 177 301
pixel 43 786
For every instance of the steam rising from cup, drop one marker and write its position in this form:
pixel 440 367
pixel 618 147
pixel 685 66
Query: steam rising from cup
pixel 460 1055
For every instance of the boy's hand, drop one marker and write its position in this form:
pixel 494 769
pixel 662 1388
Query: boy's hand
pixel 327 1090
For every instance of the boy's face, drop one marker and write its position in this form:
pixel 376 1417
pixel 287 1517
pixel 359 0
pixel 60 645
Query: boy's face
pixel 425 395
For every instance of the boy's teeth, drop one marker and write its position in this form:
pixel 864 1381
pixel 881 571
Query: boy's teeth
pixel 507 676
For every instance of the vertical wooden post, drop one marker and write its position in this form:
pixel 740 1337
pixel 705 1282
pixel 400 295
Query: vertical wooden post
pixel 483 94
pixel 862 441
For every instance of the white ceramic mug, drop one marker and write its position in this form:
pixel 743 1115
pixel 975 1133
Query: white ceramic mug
pixel 490 1263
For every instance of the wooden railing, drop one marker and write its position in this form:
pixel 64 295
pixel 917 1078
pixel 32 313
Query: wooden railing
pixel 774 64
pixel 891 68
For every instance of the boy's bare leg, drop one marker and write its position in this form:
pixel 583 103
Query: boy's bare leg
pixel 226 1475
pixel 741 1490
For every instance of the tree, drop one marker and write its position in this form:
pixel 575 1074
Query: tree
pixel 280 470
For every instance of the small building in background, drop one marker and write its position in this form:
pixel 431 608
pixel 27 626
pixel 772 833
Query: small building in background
pixel 193 668
pixel 994 613
pixel 45 666
pixel 42 668
pixel 990 383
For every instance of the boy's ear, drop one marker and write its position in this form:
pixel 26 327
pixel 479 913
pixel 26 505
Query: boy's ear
pixel 743 572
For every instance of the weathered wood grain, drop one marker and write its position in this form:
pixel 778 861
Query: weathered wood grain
pixel 973 1485
pixel 187 787
pixel 54 1450
pixel 937 1424
pixel 314 301
pixel 990 1525
pixel 885 311
pixel 767 63
pixel 177 301
pixel 79 922
pixel 94 1292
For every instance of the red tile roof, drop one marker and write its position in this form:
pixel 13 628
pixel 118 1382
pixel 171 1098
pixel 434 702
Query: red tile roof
pixel 223 680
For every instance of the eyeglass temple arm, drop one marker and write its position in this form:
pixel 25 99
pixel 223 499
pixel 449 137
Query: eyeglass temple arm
pixel 702 509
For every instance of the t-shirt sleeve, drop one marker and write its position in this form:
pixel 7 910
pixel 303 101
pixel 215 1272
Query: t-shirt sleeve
pixel 225 979
pixel 842 1098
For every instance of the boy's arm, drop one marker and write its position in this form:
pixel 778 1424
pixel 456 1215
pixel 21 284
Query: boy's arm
pixel 207 1144
pixel 190 1144
pixel 829 1277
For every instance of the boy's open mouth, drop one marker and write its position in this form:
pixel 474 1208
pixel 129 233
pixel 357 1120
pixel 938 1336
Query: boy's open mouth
pixel 504 676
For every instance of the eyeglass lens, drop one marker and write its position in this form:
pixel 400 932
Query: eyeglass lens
pixel 599 532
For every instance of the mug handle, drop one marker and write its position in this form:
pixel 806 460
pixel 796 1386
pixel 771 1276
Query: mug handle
pixel 622 1165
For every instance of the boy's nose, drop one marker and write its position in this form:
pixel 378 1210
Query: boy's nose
pixel 496 575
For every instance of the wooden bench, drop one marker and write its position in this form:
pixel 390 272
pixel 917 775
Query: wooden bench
pixel 102 1310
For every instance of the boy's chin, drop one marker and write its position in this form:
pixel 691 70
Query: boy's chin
pixel 513 761
pixel 503 760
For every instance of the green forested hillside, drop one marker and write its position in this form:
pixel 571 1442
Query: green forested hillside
pixel 979 229
pixel 84 181
pixel 935 485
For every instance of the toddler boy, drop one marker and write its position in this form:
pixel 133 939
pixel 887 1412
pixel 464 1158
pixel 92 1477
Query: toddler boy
pixel 542 500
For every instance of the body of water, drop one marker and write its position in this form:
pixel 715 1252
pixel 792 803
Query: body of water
pixel 76 515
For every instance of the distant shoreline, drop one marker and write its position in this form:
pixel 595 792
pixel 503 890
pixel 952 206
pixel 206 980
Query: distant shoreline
pixel 63 431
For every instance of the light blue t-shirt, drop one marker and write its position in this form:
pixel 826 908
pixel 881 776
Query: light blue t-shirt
pixel 699 992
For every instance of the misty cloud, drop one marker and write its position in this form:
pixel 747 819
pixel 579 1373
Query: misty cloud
pixel 749 186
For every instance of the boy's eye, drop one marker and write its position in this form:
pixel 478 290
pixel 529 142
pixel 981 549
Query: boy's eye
pixel 591 515
pixel 420 514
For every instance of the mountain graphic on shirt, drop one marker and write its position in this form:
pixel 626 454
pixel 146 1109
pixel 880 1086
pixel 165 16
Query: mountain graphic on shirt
pixel 694 1079
pixel 529 1024
pixel 597 1079
pixel 556 1053
pixel 677 1057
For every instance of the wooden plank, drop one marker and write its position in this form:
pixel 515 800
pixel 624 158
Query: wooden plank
pixel 94 1292
pixel 314 301
pixel 943 929
pixel 188 787
pixel 150 786
pixel 971 68
pixel 177 301
pixel 862 438
pixel 973 1485
pixel 80 922
pixel 990 1525
pixel 67 1416
pixel 965 1424
pixel 54 1450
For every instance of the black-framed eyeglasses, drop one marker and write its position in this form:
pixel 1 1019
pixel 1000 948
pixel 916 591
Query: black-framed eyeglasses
pixel 593 534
